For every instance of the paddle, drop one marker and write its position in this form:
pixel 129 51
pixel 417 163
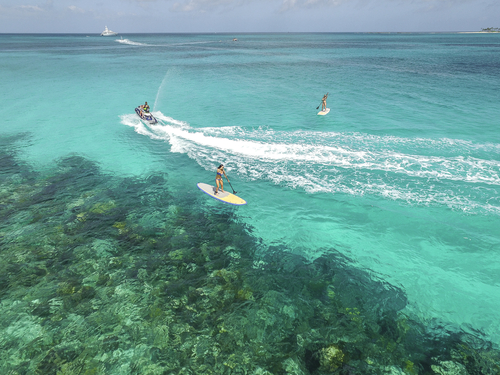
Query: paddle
pixel 322 101
pixel 234 192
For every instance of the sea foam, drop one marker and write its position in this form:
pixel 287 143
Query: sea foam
pixel 355 164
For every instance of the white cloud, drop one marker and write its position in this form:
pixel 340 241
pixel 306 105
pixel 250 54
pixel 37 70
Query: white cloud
pixel 180 7
pixel 75 9
pixel 282 5
pixel 205 5
pixel 288 5
pixel 293 4
pixel 31 8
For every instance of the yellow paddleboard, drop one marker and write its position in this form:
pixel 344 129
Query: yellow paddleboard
pixel 222 196
pixel 322 113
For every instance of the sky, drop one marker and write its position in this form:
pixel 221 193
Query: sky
pixel 233 16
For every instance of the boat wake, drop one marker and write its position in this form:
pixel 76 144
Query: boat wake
pixel 131 43
pixel 418 171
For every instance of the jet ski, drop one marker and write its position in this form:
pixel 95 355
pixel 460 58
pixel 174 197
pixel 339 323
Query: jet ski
pixel 146 116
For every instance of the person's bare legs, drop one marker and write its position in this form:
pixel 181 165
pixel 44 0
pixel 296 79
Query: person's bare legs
pixel 219 184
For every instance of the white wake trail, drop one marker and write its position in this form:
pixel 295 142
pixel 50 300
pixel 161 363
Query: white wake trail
pixel 131 43
pixel 340 163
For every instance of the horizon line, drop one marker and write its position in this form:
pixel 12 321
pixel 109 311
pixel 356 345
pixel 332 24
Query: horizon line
pixel 258 32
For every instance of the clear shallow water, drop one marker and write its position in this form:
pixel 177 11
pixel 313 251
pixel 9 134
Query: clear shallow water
pixel 402 177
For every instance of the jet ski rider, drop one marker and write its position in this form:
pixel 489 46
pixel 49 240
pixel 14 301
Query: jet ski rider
pixel 144 108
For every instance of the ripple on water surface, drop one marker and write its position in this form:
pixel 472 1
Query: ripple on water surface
pixel 100 274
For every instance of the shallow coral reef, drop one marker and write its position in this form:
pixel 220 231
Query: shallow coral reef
pixel 108 275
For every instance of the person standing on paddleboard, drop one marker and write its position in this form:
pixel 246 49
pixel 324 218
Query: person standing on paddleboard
pixel 323 102
pixel 219 183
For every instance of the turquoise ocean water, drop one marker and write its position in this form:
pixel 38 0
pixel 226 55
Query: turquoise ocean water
pixel 401 179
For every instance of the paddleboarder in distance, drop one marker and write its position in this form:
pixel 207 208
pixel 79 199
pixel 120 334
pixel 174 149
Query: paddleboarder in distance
pixel 323 102
pixel 219 183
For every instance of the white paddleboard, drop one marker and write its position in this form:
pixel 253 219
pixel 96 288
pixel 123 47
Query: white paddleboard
pixel 222 196
pixel 322 113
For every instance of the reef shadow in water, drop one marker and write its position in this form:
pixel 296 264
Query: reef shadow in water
pixel 100 274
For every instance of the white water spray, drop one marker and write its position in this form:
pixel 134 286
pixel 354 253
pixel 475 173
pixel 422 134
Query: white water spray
pixel 160 89
pixel 342 162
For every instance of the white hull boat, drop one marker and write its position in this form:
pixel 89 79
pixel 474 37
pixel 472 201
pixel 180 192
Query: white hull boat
pixel 108 32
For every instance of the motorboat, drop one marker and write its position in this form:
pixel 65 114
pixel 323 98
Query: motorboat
pixel 108 32
pixel 146 116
